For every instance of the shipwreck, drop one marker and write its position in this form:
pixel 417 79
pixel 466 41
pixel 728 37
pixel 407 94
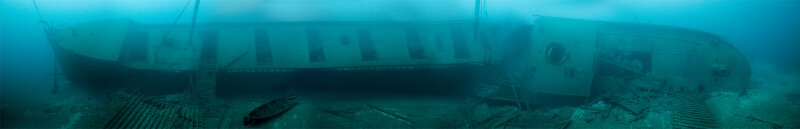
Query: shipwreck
pixel 549 57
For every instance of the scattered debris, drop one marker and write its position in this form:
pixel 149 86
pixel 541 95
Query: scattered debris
pixel 770 124
pixel 637 110
pixel 565 124
pixel 348 112
pixel 495 118
pixel 404 119
pixel 72 120
pixel 478 113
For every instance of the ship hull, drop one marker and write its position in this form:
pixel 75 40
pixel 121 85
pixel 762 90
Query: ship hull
pixel 437 79
pixel 552 56
pixel 444 80
pixel 97 73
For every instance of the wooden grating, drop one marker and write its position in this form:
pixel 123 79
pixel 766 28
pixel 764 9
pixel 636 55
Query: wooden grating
pixel 145 112
pixel 690 111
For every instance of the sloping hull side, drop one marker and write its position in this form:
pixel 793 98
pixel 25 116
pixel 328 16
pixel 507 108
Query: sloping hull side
pixel 155 58
pixel 439 79
pixel 110 74
pixel 555 58
pixel 411 79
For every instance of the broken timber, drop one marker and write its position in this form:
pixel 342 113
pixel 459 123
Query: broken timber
pixel 393 115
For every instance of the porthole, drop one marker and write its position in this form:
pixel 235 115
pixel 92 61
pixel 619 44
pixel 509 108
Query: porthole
pixel 556 53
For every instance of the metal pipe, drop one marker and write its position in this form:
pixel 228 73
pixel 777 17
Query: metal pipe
pixel 41 20
pixel 194 19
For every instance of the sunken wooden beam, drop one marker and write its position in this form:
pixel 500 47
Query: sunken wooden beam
pixel 392 114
